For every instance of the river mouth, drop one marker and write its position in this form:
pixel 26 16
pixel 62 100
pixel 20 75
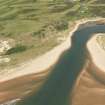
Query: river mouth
pixel 59 84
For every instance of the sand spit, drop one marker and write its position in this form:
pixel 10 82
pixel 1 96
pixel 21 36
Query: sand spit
pixel 97 58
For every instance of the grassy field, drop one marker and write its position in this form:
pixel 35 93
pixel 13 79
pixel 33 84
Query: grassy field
pixel 36 25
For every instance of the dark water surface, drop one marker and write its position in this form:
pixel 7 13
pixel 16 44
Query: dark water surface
pixel 58 87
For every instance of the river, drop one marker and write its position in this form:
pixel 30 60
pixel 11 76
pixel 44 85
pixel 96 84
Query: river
pixel 57 89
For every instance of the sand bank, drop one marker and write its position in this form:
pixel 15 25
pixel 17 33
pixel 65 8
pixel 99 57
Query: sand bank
pixel 97 58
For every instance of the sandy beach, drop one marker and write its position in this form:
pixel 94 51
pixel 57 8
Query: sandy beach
pixel 97 58
pixel 45 61
pixel 97 53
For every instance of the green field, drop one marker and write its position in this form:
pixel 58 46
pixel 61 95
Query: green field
pixel 35 25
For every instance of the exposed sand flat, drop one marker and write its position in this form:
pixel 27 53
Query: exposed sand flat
pixel 43 62
pixel 97 54
pixel 20 87
pixel 89 91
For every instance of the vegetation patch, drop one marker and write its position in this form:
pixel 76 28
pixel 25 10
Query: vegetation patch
pixel 17 49
pixel 101 40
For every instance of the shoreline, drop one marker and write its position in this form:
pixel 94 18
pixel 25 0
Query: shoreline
pixel 46 60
